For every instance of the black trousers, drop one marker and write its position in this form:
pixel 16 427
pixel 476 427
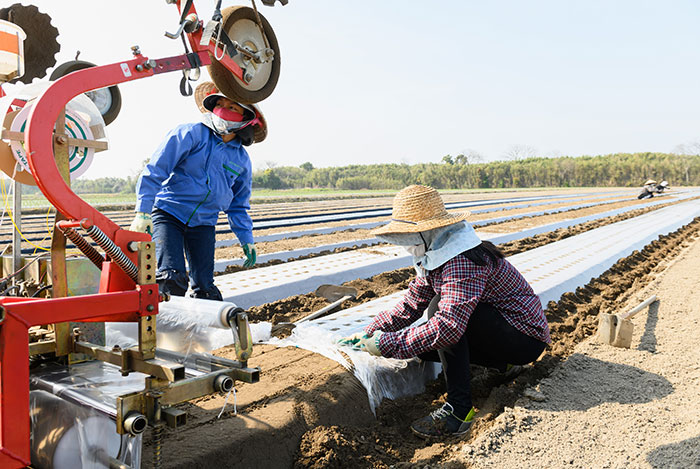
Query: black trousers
pixel 488 341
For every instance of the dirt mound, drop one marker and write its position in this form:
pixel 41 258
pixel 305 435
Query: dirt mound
pixel 326 447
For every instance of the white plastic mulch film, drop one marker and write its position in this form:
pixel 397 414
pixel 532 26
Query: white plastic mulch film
pixel 186 326
pixel 73 413
pixel 382 377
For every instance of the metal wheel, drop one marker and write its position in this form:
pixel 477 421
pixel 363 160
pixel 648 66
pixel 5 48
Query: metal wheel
pixel 240 23
pixel 107 100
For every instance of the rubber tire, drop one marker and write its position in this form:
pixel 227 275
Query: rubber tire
pixel 226 81
pixel 75 65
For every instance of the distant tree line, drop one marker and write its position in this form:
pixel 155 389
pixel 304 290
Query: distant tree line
pixel 109 185
pixel 461 172
pixel 622 169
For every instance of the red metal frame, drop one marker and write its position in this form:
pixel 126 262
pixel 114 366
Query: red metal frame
pixel 119 298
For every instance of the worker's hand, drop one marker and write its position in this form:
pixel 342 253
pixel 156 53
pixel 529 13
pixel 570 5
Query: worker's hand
pixel 353 339
pixel 142 223
pixel 251 255
pixel 369 344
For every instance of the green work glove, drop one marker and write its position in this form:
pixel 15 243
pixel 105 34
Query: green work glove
pixel 353 339
pixel 142 223
pixel 251 255
pixel 369 344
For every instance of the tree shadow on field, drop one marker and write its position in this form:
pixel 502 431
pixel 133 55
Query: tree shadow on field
pixel 583 382
pixel 648 340
pixel 678 455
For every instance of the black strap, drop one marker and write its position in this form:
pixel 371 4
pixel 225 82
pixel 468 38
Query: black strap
pixel 185 87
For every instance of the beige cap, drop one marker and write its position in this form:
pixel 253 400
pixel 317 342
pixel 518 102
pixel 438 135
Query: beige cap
pixel 417 209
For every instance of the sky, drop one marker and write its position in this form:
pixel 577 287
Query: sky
pixel 407 81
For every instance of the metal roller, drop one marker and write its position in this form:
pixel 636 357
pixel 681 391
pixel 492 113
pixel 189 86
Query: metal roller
pixel 65 435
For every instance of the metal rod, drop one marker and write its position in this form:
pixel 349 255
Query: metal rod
pixel 76 398
pixel 107 460
pixel 16 234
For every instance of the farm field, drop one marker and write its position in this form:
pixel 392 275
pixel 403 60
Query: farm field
pixel 582 404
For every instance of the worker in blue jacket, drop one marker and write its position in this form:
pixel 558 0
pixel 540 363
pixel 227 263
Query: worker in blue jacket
pixel 198 171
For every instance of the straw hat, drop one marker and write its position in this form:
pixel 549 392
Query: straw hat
pixel 416 209
pixel 649 181
pixel 206 94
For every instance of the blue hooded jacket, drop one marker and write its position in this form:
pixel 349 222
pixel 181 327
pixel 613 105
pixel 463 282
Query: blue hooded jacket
pixel 194 175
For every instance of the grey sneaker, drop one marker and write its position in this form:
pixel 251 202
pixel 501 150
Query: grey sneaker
pixel 442 423
pixel 512 371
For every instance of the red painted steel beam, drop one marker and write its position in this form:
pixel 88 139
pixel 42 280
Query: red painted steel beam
pixel 22 313
pixel 14 394
pixel 39 135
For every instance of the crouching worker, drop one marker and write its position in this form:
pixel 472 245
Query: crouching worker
pixel 199 170
pixel 487 313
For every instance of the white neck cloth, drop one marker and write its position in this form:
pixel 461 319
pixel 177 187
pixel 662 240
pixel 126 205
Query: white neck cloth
pixel 444 244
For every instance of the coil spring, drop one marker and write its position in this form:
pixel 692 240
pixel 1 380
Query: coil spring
pixel 157 445
pixel 113 251
pixel 85 247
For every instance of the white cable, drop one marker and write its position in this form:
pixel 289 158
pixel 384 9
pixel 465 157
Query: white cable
pixel 235 410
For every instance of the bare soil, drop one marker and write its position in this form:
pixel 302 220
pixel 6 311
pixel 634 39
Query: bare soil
pixel 307 411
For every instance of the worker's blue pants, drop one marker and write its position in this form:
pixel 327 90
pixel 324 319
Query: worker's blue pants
pixel 489 341
pixel 175 240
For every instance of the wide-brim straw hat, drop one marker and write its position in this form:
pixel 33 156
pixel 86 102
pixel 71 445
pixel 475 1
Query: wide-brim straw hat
pixel 649 181
pixel 417 209
pixel 206 94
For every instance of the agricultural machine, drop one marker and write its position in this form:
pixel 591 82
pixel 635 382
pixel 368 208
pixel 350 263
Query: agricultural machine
pixel 88 404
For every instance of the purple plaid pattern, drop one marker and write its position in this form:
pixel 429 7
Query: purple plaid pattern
pixel 461 284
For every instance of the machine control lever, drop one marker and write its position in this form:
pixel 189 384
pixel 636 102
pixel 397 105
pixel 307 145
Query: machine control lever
pixel 190 24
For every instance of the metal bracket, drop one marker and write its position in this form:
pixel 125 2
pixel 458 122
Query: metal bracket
pixel 214 33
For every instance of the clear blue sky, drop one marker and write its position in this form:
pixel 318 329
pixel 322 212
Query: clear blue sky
pixel 410 81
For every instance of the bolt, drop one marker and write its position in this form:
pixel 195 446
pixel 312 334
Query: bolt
pixel 149 64
pixel 61 139
pixel 132 246
pixel 139 68
pixel 248 77
pixel 135 50
pixel 116 348
pixel 150 308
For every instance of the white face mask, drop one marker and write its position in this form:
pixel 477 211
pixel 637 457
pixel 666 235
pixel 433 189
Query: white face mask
pixel 417 250
pixel 222 126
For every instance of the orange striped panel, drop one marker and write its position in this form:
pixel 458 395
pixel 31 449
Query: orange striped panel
pixel 9 42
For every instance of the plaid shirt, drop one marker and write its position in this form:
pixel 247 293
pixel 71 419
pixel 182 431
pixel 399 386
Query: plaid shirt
pixel 461 285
